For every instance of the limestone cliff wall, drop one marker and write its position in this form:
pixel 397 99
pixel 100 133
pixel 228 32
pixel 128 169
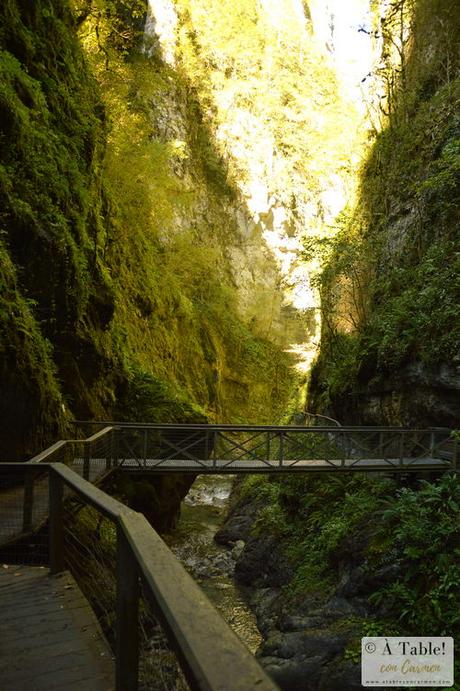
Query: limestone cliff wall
pixel 127 257
pixel 391 335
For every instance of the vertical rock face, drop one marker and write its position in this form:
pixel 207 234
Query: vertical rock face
pixel 52 225
pixel 282 124
pixel 134 279
pixel 161 27
pixel 391 346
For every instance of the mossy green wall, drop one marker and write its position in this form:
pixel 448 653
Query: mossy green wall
pixel 391 289
pixel 118 297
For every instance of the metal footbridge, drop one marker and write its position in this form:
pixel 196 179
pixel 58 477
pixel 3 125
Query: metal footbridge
pixel 52 513
pixel 235 449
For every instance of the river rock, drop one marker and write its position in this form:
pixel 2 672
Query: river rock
pixel 237 550
pixel 293 675
pixel 305 639
pixel 262 563
pixel 303 643
pixel 238 523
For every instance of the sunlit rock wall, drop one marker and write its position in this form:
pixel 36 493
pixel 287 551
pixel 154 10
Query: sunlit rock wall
pixel 391 348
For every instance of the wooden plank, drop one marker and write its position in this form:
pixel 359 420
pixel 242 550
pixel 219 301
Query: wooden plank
pixel 42 649
pixel 47 640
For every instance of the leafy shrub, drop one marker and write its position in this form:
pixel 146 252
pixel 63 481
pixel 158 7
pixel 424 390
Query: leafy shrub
pixel 422 526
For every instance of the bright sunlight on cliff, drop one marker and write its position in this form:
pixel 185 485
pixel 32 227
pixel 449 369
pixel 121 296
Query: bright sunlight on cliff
pixel 282 86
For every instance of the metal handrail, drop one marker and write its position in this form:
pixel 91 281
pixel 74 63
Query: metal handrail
pixel 190 621
pixel 43 455
pixel 249 428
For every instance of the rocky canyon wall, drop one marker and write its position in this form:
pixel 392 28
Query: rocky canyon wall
pixel 390 342
pixel 134 282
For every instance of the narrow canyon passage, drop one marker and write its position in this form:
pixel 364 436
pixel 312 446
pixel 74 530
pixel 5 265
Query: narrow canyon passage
pixel 245 212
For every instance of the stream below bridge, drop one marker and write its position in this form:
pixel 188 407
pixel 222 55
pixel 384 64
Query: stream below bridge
pixel 210 564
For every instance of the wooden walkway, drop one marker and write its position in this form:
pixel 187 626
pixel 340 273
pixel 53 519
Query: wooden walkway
pixel 49 637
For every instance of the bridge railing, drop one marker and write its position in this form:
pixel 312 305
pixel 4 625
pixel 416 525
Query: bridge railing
pixel 24 494
pixel 228 448
pixel 90 457
pixel 23 513
pixel 138 587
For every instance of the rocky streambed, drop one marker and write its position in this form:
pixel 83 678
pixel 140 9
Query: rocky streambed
pixel 212 564
pixel 301 642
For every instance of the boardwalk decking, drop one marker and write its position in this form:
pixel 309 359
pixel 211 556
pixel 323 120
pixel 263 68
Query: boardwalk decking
pixel 50 639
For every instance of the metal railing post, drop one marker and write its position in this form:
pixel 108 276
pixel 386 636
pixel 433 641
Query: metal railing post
pixel 127 640
pixel 206 444
pixel 109 452
pixel 27 508
pixel 86 459
pixel 56 522
pixel 115 447
pixel 144 448
pixel 432 445
pixel 281 449
pixel 380 447
pixel 343 444
pixel 267 447
pixel 214 450
pixel 401 447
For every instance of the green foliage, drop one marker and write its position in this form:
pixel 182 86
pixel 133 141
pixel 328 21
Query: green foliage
pixel 390 282
pixel 26 364
pixel 422 528
pixel 422 320
pixel 313 514
pixel 316 518
pixel 151 399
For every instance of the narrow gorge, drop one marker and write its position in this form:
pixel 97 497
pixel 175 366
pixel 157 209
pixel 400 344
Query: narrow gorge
pixel 246 212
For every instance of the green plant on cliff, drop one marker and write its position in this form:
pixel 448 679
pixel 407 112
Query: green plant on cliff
pixel 403 235
pixel 312 516
pixel 421 528
pixel 174 226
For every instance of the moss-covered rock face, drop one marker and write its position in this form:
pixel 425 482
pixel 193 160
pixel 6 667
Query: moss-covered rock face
pixel 390 292
pixel 336 558
pixel 118 232
pixel 54 293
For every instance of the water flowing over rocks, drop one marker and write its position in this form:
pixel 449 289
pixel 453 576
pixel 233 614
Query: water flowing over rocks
pixel 211 564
